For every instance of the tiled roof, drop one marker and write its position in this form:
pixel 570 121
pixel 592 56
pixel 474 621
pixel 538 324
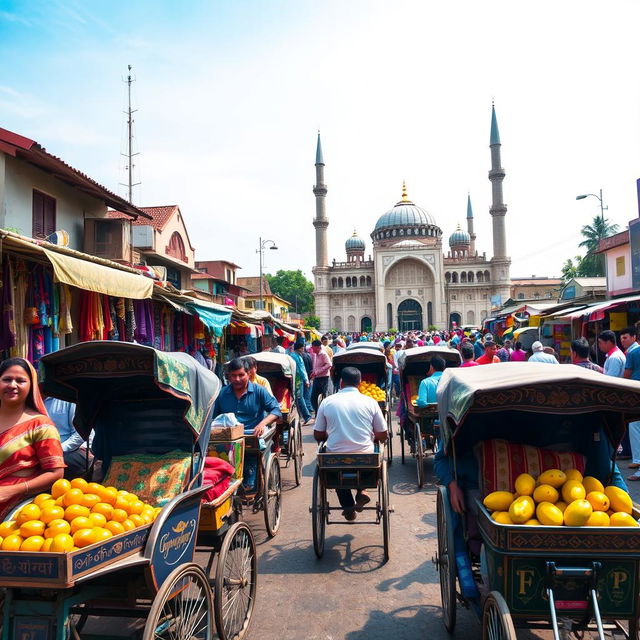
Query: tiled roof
pixel 159 216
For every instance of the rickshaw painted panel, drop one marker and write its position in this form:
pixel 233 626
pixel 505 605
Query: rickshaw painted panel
pixel 212 518
pixel 326 460
pixel 31 628
pixel 20 565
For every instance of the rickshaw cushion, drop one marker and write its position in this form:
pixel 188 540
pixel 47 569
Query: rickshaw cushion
pixel 218 474
pixel 281 393
pixel 501 462
pixel 155 479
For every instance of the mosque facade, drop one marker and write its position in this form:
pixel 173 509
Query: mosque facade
pixel 409 282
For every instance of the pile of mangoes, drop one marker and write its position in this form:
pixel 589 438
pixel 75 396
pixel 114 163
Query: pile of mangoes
pixel 372 390
pixel 559 498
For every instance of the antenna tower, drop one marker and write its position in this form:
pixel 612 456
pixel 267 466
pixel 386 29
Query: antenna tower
pixel 129 155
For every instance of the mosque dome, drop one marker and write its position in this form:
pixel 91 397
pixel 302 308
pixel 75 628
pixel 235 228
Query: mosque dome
pixel 459 237
pixel 354 243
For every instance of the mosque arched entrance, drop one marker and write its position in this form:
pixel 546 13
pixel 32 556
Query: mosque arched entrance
pixel 410 316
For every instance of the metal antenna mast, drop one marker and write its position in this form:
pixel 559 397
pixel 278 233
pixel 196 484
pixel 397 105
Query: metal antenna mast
pixel 130 155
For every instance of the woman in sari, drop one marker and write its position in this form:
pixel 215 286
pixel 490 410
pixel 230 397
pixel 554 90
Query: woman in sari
pixel 31 457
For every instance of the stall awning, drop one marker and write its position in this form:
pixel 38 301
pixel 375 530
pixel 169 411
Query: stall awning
pixel 98 278
pixel 215 319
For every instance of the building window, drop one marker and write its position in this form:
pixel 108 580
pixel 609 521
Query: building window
pixel 43 215
pixel 620 266
pixel 520 296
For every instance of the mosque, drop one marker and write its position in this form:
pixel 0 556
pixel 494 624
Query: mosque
pixel 410 283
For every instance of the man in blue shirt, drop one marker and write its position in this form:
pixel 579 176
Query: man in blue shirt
pixel 254 406
pixel 428 387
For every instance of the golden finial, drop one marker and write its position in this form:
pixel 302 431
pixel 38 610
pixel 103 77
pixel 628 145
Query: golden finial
pixel 404 192
pixel 458 227
pixel 355 235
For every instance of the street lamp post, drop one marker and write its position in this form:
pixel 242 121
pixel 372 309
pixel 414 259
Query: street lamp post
pixel 261 247
pixel 595 195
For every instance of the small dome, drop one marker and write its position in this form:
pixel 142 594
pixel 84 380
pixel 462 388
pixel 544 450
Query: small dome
pixel 354 243
pixel 405 214
pixel 459 237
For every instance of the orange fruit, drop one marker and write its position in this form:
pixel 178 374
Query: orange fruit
pixel 62 542
pixel 74 511
pixel 97 519
pixel 109 495
pixel 115 527
pixel 122 503
pixel 119 515
pixel 104 508
pixel 12 543
pixel 60 487
pixel 131 497
pixel 73 496
pixel 45 504
pixel 81 522
pixel 51 513
pixel 7 528
pixel 79 483
pixel 60 501
pixel 136 519
pixel 122 492
pixel 136 507
pixel 32 528
pixel 147 518
pixel 32 543
pixel 40 498
pixel 90 500
pixel 128 524
pixel 47 544
pixel 55 527
pixel 83 538
pixel 28 512
pixel 94 487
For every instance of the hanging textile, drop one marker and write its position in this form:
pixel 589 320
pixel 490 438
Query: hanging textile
pixel 65 326
pixel 7 317
pixel 20 274
pixel 213 318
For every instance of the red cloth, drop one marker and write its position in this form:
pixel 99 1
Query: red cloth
pixel 217 473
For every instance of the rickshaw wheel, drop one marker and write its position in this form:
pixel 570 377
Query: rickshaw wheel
pixel 496 619
pixel 234 591
pixel 419 455
pixel 272 496
pixel 385 515
pixel 446 560
pixel 182 608
pixel 389 442
pixel 318 513
pixel 298 452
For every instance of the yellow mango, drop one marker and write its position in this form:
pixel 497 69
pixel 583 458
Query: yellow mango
pixel 562 505
pixel 598 500
pixel 549 515
pixel 498 500
pixel 619 499
pixel 598 519
pixel 573 490
pixel 502 517
pixel 554 477
pixel 592 484
pixel 545 493
pixel 573 474
pixel 525 484
pixel 522 509
pixel 532 523
pixel 578 513
pixel 622 519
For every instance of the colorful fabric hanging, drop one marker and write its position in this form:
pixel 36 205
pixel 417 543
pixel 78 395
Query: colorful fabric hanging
pixel 7 317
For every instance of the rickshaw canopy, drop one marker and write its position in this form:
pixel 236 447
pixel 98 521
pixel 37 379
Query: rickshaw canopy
pixel 357 357
pixel 374 346
pixel 416 360
pixel 271 362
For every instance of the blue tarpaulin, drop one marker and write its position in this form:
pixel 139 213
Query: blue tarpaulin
pixel 215 319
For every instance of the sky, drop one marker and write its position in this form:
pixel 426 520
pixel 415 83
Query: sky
pixel 230 96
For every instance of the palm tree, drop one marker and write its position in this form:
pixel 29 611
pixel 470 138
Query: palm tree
pixel 593 263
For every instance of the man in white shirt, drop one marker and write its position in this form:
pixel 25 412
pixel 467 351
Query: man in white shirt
pixel 350 422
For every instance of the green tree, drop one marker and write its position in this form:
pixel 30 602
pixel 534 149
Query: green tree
pixel 571 268
pixel 593 263
pixel 294 287
pixel 312 321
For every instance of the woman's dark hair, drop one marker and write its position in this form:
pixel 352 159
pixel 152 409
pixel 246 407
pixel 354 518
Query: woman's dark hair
pixel 518 345
pixel 466 350
pixel 22 363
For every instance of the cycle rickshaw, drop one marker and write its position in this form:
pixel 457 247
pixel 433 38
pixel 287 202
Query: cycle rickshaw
pixel 530 417
pixel 150 412
pixel 414 364
pixel 280 370
pixel 374 368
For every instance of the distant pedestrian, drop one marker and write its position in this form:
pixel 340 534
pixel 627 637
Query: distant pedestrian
pixel 489 356
pixel 615 361
pixel 467 354
pixel 518 354
pixel 504 353
pixel 579 351
pixel 539 355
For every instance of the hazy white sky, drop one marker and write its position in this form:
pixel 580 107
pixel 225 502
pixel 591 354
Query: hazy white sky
pixel 231 93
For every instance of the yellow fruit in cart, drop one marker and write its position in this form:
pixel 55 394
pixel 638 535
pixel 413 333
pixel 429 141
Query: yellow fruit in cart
pixel 128 525
pixel 598 519
pixel 122 503
pixel 28 512
pixel 562 505
pixel 47 544
pixel 75 511
pixel 525 484
pixel 73 496
pixel 62 542
pixel 622 519
pixel 97 519
pixel 119 515
pixel 79 483
pixel 45 504
pixel 90 500
pixel 100 534
pixel 554 477
pixel 60 487
pixel 94 487
pixel 522 509
pixel 577 513
pixel 83 538
pixel 136 519
pixel 115 527
pixel 104 508
pixel 12 543
pixel 7 528
pixel 545 493
pixel 619 499
pixel 573 490
pixel 598 500
pixel 32 543
pixel 532 523
pixel 549 515
pixel 136 507
pixel 108 495
pixel 32 528
pixel 132 497
pixel 502 517
pixel 498 500
pixel 51 513
pixel 592 484
pixel 573 474
pixel 55 527
pixel 81 522
pixel 40 498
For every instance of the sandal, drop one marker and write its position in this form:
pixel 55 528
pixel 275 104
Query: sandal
pixel 634 477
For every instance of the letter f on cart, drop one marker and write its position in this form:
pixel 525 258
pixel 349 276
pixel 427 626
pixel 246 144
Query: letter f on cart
pixel 526 580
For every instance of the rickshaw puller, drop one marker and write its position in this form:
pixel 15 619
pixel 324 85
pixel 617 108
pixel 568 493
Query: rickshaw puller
pixel 350 422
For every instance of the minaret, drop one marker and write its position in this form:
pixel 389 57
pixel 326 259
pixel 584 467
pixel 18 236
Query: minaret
pixel 498 209
pixel 320 222
pixel 472 235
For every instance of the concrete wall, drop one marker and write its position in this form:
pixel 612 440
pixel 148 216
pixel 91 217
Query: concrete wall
pixel 619 283
pixel 16 200
pixel 176 223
